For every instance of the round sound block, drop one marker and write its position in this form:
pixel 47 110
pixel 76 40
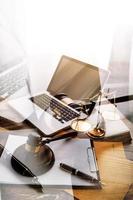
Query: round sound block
pixel 38 163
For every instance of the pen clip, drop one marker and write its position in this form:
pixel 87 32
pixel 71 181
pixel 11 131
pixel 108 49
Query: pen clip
pixel 92 160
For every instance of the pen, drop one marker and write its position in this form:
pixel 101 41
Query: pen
pixel 78 173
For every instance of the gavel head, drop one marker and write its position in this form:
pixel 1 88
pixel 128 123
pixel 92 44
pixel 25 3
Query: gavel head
pixel 33 143
pixel 34 156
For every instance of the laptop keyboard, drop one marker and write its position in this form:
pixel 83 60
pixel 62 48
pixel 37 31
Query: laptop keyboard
pixel 54 107
pixel 12 81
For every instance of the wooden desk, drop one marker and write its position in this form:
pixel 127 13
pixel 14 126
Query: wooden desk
pixel 116 172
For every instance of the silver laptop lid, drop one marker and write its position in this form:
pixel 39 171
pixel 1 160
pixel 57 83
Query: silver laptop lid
pixel 13 65
pixel 77 79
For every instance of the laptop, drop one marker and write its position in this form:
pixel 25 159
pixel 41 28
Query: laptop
pixel 14 77
pixel 77 80
pixel 13 80
pixel 13 72
pixel 13 66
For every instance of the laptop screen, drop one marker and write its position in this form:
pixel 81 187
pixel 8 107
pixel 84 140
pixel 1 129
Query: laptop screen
pixel 78 80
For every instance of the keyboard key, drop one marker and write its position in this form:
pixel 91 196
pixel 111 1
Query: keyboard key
pixel 59 110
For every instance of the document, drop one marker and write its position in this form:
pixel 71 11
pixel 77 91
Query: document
pixel 74 152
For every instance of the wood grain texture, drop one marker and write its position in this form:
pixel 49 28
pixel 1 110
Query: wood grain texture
pixel 115 171
pixel 129 195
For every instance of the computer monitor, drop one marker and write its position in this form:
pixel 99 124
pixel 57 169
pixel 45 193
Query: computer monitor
pixel 77 79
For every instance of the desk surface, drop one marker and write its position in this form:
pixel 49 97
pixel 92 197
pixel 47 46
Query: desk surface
pixel 115 162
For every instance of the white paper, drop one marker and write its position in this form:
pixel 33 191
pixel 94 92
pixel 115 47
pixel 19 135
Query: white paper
pixel 72 152
pixel 8 175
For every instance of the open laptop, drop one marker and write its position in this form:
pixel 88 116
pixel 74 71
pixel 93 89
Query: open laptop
pixel 13 66
pixel 14 77
pixel 13 72
pixel 13 80
pixel 76 79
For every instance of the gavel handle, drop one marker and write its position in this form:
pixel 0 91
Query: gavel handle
pixel 69 134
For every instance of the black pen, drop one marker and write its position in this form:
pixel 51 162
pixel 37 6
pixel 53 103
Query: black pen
pixel 78 173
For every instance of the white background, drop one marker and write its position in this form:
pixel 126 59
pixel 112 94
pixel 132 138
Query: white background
pixel 83 29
